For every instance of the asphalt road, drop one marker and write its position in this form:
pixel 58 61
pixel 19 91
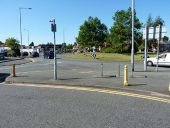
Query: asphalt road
pixel 76 72
pixel 32 107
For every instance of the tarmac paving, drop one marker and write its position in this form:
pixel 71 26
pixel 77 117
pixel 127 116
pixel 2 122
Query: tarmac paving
pixel 154 83
pixel 9 62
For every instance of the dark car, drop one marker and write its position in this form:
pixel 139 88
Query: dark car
pixel 49 55
pixel 35 54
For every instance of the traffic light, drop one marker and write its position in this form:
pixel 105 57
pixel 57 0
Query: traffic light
pixel 53 27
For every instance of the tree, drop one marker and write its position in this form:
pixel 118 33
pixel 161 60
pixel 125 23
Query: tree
pixel 31 44
pixel 69 46
pixel 92 33
pixel 154 23
pixel 14 45
pixel 121 32
pixel 158 21
pixel 165 39
pixel 150 22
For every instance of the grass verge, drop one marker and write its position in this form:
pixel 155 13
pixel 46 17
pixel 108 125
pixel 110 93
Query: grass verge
pixel 106 56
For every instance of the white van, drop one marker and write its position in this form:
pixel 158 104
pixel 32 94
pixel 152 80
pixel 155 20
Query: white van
pixel 163 60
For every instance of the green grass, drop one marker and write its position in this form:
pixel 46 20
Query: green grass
pixel 106 56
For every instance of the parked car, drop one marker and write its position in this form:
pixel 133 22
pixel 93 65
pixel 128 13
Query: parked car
pixel 35 54
pixel 2 56
pixel 163 60
pixel 48 55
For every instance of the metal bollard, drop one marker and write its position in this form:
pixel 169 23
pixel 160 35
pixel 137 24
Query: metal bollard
pixel 13 70
pixel 119 70
pixel 101 69
pixel 125 75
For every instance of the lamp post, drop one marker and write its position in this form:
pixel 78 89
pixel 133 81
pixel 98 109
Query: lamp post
pixel 132 50
pixel 28 35
pixel 21 23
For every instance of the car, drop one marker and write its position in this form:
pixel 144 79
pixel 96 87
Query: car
pixel 49 55
pixel 163 60
pixel 35 54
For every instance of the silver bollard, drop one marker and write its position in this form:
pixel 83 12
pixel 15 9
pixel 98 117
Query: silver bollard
pixel 101 69
pixel 119 70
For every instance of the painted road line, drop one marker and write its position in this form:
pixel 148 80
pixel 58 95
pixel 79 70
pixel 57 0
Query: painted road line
pixel 99 90
pixel 87 72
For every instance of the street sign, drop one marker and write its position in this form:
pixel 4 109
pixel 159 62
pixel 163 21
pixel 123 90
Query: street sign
pixel 153 33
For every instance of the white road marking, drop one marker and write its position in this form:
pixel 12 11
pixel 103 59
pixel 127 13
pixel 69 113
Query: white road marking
pixel 87 72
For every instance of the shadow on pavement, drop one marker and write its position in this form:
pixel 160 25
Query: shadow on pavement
pixel 136 84
pixel 3 76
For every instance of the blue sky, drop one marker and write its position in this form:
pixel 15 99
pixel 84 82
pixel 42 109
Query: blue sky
pixel 69 15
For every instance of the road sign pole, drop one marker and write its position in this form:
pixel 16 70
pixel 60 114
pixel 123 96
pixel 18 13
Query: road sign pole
pixel 159 38
pixel 145 57
pixel 53 29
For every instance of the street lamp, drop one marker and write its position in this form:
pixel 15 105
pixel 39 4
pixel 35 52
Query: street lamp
pixel 20 23
pixel 28 35
pixel 132 50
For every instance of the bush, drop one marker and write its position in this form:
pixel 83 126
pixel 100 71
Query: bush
pixel 13 53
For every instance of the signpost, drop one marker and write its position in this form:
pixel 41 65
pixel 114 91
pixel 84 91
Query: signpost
pixel 153 33
pixel 145 56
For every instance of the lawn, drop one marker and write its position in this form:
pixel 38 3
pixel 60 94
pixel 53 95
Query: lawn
pixel 105 56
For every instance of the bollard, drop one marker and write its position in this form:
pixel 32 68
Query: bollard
pixel 119 70
pixel 13 70
pixel 169 86
pixel 125 75
pixel 102 70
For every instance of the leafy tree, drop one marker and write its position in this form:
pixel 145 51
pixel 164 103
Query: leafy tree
pixel 158 21
pixel 150 22
pixel 14 45
pixel 92 33
pixel 31 44
pixel 69 46
pixel 1 42
pixel 154 23
pixel 165 39
pixel 121 32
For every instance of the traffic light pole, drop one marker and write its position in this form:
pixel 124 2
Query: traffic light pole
pixel 53 29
